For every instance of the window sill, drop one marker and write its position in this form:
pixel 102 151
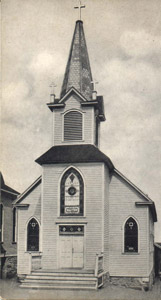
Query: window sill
pixel 34 252
pixel 130 253
pixel 73 141
pixel 73 220
pixel 71 217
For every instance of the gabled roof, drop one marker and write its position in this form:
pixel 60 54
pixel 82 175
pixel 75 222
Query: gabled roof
pixel 5 189
pixel 98 103
pixel 158 245
pixel 84 153
pixel 78 71
pixel 71 91
pixel 147 201
pixel 28 190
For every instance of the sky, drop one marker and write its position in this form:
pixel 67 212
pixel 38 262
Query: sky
pixel 124 45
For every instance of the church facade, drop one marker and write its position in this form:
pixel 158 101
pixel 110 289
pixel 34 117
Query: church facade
pixel 82 221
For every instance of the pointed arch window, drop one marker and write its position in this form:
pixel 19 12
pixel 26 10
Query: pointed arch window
pixel 131 236
pixel 73 121
pixel 33 235
pixel 72 193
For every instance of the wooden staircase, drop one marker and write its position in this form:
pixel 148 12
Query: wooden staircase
pixel 62 279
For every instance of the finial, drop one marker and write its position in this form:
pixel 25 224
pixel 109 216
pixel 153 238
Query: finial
pixel 52 95
pixel 80 6
pixel 94 92
pixel 94 84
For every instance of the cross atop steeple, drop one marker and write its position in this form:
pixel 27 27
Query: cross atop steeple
pixel 52 86
pixel 52 94
pixel 94 84
pixel 80 6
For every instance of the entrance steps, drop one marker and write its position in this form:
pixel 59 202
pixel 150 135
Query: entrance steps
pixel 58 279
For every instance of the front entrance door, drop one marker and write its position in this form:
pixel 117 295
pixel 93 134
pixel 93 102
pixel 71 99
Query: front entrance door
pixel 71 250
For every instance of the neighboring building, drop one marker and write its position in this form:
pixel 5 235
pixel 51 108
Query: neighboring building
pixel 158 260
pixel 82 221
pixel 8 227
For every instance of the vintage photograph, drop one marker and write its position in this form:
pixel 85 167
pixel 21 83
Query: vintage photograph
pixel 80 205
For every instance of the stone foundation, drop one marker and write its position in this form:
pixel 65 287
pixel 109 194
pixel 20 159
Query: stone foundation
pixel 10 267
pixel 137 283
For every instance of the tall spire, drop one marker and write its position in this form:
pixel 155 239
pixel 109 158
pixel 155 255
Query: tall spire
pixel 78 71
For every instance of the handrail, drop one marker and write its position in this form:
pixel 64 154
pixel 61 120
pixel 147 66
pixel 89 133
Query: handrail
pixel 99 264
pixel 33 255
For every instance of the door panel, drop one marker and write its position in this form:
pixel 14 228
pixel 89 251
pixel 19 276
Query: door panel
pixel 77 251
pixel 71 251
pixel 66 251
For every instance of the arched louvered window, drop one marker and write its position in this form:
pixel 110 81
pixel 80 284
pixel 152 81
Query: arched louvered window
pixel 131 236
pixel 72 193
pixel 33 235
pixel 1 222
pixel 73 126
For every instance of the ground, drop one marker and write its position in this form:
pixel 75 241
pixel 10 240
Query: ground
pixel 9 289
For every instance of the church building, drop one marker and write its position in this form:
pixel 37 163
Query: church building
pixel 82 222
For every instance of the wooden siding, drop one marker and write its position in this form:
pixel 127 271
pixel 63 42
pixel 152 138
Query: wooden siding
pixel 106 219
pixel 88 126
pixel 122 205
pixel 92 175
pixel 151 242
pixel 24 214
pixel 8 225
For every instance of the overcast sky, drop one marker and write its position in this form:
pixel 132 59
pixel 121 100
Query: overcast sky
pixel 124 44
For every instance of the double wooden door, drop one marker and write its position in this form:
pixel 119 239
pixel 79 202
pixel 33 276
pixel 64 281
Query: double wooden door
pixel 71 251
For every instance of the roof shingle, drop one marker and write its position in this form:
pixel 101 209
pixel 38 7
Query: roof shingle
pixel 74 154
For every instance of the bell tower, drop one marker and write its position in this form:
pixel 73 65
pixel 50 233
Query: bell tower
pixel 78 112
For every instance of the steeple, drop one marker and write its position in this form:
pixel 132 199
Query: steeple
pixel 78 71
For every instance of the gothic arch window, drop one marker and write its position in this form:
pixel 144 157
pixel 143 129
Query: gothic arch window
pixel 72 193
pixel 131 236
pixel 73 123
pixel 33 235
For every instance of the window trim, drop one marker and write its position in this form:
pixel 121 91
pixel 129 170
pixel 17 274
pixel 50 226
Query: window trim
pixel 60 215
pixel 123 232
pixel 31 251
pixel 63 114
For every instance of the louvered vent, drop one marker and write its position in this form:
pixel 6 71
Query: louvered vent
pixel 73 126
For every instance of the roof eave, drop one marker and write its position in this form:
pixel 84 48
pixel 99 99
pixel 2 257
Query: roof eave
pixel 21 205
pixel 53 106
pixel 151 207
pixel 28 190
pixel 6 191
pixel 70 91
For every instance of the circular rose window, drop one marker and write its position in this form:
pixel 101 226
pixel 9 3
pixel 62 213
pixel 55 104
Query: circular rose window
pixel 72 190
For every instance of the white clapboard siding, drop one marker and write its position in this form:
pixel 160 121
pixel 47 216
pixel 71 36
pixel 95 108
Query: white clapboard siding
pixel 24 214
pixel 151 243
pixel 122 205
pixel 106 219
pixel 92 173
